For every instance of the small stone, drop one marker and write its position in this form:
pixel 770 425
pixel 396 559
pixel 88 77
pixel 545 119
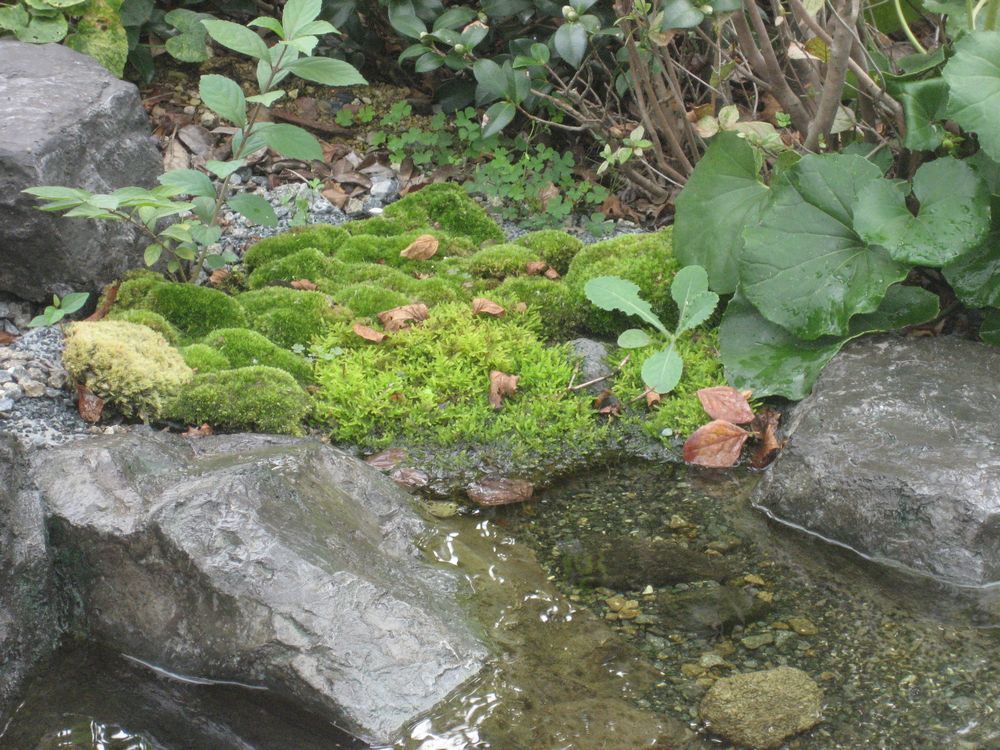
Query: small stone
pixel 5 376
pixel 12 391
pixel 56 380
pixel 648 591
pixel 645 620
pixel 6 405
pixel 765 596
pixel 754 642
pixel 678 522
pixel 616 603
pixel 692 670
pixel 724 545
pixel 802 626
pixel 32 388
pixel 710 660
pixel 753 580
pixel 782 637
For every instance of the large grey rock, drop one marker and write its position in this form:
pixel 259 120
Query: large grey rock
pixel 896 454
pixel 28 623
pixel 267 561
pixel 65 120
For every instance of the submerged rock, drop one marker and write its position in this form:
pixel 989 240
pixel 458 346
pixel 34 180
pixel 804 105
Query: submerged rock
pixel 716 609
pixel 273 562
pixel 762 709
pixel 896 455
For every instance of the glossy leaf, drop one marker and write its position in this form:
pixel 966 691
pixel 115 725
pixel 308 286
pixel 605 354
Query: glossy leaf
pixel 975 276
pixel 497 117
pixel 973 76
pixel 570 41
pixel 924 104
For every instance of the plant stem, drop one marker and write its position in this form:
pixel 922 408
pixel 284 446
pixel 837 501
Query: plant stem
pixel 906 28
pixel 992 12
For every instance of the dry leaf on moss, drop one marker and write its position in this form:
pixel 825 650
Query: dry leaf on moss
pixel 218 276
pixel 501 384
pixel 304 285
pixel 487 307
pixel 652 397
pixel 551 273
pixel 369 334
pixel 536 267
pixel 422 248
pixel 399 318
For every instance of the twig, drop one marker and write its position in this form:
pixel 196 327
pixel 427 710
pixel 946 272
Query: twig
pixel 601 379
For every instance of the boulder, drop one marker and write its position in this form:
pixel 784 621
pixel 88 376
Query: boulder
pixel 268 561
pixel 762 709
pixel 65 120
pixel 896 455
pixel 29 626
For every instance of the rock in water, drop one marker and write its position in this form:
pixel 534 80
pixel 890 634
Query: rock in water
pixel 896 455
pixel 268 561
pixel 65 120
pixel 762 709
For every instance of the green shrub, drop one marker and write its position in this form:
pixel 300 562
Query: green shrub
pixel 448 207
pixel 203 358
pixel 366 300
pixel 149 319
pixel 323 237
pixel 263 399
pixel 309 264
pixel 560 316
pixel 130 366
pixel 244 348
pixel 195 310
pixel 556 248
pixel 287 316
pixel 500 261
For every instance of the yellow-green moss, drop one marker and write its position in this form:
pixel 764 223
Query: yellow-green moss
pixel 244 348
pixel 288 317
pixel 263 399
pixel 556 247
pixel 323 237
pixel 308 263
pixel 378 227
pixel 149 319
pixel 134 287
pixel 501 261
pixel 369 248
pixel 195 310
pixel 551 300
pixel 448 207
pixel 130 366
pixel 203 358
pixel 366 300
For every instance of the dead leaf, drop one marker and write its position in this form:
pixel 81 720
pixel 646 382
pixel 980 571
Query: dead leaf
pixel 422 248
pixel 551 273
pixel 725 402
pixel 487 307
pixel 536 267
pixel 90 405
pixel 717 444
pixel 369 334
pixel 490 492
pixel 409 478
pixel 387 459
pixel 7 338
pixel 304 285
pixel 652 397
pixel 196 432
pixel 218 276
pixel 336 195
pixel 110 295
pixel 501 385
pixel 399 318
pixel 765 425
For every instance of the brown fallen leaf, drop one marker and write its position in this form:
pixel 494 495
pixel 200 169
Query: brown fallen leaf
pixel 399 318
pixel 7 338
pixel 724 402
pixel 487 307
pixel 501 385
pixel 388 459
pixel 304 285
pixel 196 432
pixel 551 273
pixel 490 492
pixel 717 444
pixel 336 195
pixel 369 334
pixel 536 267
pixel 409 478
pixel 89 404
pixel 422 248
pixel 218 276
pixel 765 425
pixel 652 397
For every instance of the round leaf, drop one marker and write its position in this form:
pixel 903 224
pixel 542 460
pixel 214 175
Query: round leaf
pixel 973 77
pixel 975 276
pixel 570 41
pixel 662 371
pixel 634 338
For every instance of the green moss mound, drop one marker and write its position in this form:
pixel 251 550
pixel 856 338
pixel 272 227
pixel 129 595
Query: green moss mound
pixel 448 207
pixel 430 384
pixel 149 319
pixel 244 348
pixel 366 300
pixel 556 248
pixel 195 310
pixel 289 317
pixel 308 263
pixel 322 237
pixel 644 259
pixel 501 261
pixel 203 358
pixel 263 399
pixel 130 366
pixel 560 316
pixel 134 288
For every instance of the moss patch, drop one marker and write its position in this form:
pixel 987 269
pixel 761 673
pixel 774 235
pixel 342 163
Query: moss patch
pixel 195 310
pixel 149 319
pixel 288 317
pixel 203 358
pixel 365 300
pixel 308 263
pixel 244 348
pixel 501 261
pixel 448 207
pixel 559 314
pixel 134 288
pixel 322 237
pixel 556 248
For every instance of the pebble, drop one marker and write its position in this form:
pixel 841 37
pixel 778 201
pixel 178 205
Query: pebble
pixel 754 642
pixel 802 626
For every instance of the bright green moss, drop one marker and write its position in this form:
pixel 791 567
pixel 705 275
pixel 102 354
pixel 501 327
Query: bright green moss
pixel 439 290
pixel 130 366
pixel 244 348
pixel 134 288
pixel 308 263
pixel 501 261
pixel 203 358
pixel 323 237
pixel 365 300
pixel 345 274
pixel 149 319
pixel 448 207
pixel 557 248
pixel 378 226
pixel 288 317
pixel 560 316
pixel 195 310
pixel 645 259
pixel 367 248
pixel 261 399
pixel 430 384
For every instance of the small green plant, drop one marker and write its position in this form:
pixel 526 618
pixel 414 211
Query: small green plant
pixel 59 309
pixel 189 245
pixel 598 225
pixel 661 370
pixel 632 147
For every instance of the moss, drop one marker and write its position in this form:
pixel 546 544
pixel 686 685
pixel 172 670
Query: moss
pixel 244 348
pixel 195 310
pixel 378 226
pixel 551 300
pixel 557 248
pixel 439 290
pixel 430 383
pixel 149 319
pixel 203 358
pixel 345 274
pixel 258 398
pixel 368 248
pixel 323 237
pixel 308 263
pixel 365 299
pixel 645 259
pixel 448 207
pixel 500 261
pixel 135 287
pixel 130 366
pixel 288 317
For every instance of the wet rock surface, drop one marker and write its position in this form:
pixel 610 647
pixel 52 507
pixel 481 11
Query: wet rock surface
pixel 274 562
pixel 65 120
pixel 896 455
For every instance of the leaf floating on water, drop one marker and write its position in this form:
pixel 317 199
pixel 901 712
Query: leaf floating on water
pixel 487 307
pixel 502 491
pixel 724 402
pixel 369 334
pixel 399 318
pixel 501 385
pixel 387 459
pixel 90 405
pixel 304 285
pixel 765 425
pixel 717 444
pixel 422 248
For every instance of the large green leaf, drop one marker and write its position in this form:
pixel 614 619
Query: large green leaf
pixel 975 276
pixel 224 97
pixel 989 331
pixel 662 371
pixel 189 181
pixel 236 37
pixel 924 104
pixel 327 71
pixel 42 29
pixel 255 208
pixel 803 266
pixel 297 14
pixel 613 293
pixel 954 214
pixel 13 17
pixel 973 75
pixel 722 196
pixel 293 142
pixel 764 357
